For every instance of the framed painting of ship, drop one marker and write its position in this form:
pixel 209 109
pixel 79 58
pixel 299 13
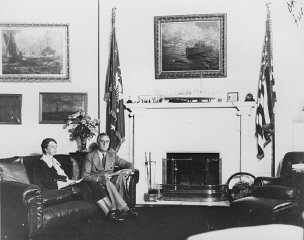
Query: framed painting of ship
pixel 54 108
pixel 10 106
pixel 190 46
pixel 34 53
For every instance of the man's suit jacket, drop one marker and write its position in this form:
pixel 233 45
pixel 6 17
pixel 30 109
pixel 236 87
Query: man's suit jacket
pixel 92 167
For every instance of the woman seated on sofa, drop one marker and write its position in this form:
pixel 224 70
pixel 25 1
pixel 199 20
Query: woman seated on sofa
pixel 48 174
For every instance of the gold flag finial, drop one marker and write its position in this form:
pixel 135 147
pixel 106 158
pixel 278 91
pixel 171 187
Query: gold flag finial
pixel 113 16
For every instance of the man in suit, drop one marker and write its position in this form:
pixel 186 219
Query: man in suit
pixel 99 166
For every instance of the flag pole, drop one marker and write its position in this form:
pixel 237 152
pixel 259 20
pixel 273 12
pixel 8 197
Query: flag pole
pixel 273 97
pixel 98 70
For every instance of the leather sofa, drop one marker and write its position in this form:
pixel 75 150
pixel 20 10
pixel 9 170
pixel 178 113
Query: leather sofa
pixel 29 211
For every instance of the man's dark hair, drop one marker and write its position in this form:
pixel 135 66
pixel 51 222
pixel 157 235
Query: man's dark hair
pixel 100 135
pixel 45 143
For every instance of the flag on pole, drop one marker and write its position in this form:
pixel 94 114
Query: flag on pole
pixel 115 119
pixel 266 95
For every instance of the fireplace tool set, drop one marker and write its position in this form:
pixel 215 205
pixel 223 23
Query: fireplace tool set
pixel 152 192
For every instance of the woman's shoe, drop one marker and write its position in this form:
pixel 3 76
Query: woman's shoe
pixel 116 216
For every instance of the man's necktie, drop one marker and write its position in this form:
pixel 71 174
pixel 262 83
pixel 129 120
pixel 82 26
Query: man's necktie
pixel 103 161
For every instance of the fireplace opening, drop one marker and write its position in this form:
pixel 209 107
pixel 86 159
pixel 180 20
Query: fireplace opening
pixel 191 169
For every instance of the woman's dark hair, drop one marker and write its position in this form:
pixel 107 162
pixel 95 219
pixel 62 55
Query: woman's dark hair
pixel 45 143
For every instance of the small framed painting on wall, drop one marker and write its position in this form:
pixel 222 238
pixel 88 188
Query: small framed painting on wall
pixel 10 108
pixel 55 107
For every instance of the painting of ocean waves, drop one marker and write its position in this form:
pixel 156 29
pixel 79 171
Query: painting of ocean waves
pixel 174 59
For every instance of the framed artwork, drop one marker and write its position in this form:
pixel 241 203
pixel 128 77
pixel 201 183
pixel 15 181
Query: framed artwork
pixel 190 46
pixel 232 97
pixel 34 53
pixel 55 107
pixel 10 108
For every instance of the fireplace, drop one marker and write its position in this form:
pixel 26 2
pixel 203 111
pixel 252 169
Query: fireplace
pixel 192 169
pixel 192 177
pixel 185 131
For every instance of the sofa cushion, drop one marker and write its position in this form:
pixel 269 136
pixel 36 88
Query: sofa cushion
pixel 76 174
pixel 14 171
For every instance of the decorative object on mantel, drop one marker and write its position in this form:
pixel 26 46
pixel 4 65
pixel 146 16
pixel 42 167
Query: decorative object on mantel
pixel 232 97
pixel 82 127
pixel 249 98
pixel 190 97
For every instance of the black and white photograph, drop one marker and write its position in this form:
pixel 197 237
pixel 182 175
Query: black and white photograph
pixel 151 120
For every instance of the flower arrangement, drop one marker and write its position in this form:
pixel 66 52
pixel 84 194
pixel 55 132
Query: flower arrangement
pixel 81 126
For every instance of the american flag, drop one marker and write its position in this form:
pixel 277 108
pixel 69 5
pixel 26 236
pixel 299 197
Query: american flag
pixel 115 119
pixel 266 96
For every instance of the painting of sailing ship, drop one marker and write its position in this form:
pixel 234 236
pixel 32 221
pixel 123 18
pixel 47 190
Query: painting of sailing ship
pixel 37 52
pixel 55 107
pixel 191 46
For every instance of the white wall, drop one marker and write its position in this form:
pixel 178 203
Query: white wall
pixel 135 35
pixel 246 20
pixel 82 17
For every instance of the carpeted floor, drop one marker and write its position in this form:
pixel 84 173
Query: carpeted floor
pixel 154 223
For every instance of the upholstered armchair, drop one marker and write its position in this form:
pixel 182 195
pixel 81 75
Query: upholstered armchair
pixel 274 199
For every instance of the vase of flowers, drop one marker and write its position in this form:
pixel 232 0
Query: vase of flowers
pixel 81 127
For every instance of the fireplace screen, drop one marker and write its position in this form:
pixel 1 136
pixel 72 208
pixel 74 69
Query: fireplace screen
pixel 186 169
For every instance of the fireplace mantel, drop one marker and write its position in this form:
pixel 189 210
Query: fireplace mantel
pixel 166 105
pixel 223 127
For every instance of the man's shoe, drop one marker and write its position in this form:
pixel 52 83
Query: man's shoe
pixel 116 216
pixel 130 214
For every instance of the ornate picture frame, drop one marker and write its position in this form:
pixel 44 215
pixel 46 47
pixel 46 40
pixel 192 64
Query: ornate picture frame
pixel 10 105
pixel 34 53
pixel 54 108
pixel 190 46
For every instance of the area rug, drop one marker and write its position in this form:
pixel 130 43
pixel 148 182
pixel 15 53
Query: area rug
pixel 154 223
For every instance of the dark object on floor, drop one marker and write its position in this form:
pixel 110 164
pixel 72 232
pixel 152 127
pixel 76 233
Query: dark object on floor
pixel 240 185
pixel 274 199
pixel 26 210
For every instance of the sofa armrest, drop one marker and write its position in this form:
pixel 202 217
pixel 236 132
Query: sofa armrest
pixel 21 204
pixel 276 192
pixel 261 181
pixel 132 181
